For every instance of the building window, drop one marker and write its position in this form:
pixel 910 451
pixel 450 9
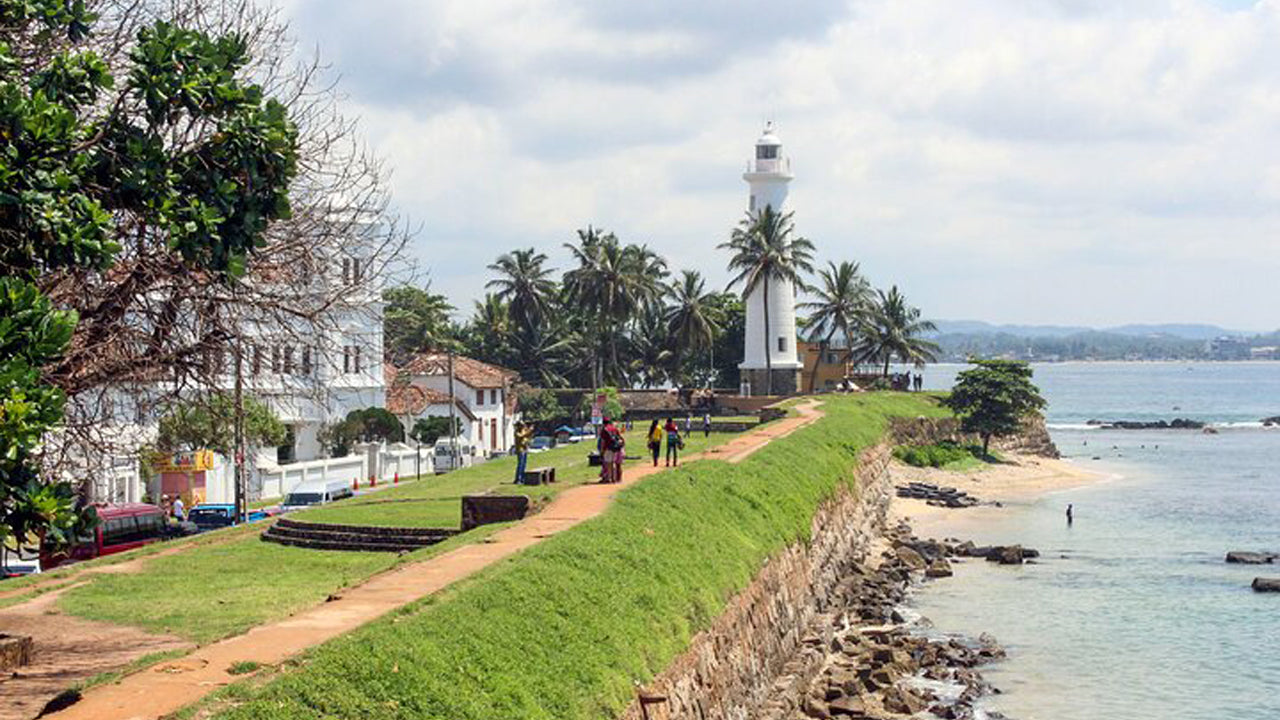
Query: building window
pixel 493 397
pixel 275 360
pixel 782 344
pixel 256 362
pixel 766 152
pixel 306 361
pixel 351 274
pixel 479 397
pixel 752 204
pixel 287 352
pixel 350 359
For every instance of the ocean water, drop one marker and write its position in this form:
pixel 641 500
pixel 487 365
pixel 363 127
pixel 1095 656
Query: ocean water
pixel 1131 613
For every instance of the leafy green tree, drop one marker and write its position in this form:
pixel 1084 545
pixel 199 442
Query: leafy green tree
pixel 766 250
pixel 651 359
pixel 88 157
pixel 539 405
pixel 726 349
pixel 373 424
pixel 612 404
pixel 994 398
pixel 208 423
pixel 693 320
pixel 32 334
pixel 429 429
pixel 895 330
pixel 414 320
pixel 524 283
pixel 842 305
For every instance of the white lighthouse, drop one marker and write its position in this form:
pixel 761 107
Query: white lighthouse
pixel 768 174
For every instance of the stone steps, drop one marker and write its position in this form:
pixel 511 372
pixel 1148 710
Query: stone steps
pixel 360 538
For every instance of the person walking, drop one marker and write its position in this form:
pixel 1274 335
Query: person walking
pixel 655 441
pixel 524 435
pixel 706 425
pixel 179 509
pixel 1070 515
pixel 674 443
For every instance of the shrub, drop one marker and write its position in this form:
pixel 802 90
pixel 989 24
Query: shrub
pixel 936 455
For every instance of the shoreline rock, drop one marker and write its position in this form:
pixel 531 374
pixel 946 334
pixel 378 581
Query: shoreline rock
pixel 879 666
pixel 1175 424
pixel 1249 557
pixel 1266 585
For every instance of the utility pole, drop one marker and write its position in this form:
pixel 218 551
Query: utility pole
pixel 242 499
pixel 453 420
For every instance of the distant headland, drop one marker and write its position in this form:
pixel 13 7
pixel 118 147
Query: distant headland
pixel 961 339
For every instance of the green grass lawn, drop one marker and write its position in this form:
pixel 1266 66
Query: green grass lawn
pixel 225 588
pixel 564 629
pixel 436 501
pixel 213 592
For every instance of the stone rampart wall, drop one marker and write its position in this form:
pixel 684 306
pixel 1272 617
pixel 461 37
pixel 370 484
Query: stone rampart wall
pixel 757 649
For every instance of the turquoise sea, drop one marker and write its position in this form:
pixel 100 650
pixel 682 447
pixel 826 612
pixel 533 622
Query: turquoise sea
pixel 1132 613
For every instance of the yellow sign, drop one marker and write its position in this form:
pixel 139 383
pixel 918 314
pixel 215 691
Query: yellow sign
pixel 197 461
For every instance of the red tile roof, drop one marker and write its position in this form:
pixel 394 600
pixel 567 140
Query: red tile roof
pixel 473 372
pixel 404 398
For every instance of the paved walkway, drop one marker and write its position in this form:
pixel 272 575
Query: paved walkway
pixel 167 687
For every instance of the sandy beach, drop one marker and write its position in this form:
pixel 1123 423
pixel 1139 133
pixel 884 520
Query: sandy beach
pixel 1018 481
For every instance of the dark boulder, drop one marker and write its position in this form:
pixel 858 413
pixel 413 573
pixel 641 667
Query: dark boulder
pixel 1266 585
pixel 1247 557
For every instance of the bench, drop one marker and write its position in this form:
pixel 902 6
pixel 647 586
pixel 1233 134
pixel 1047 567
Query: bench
pixel 539 476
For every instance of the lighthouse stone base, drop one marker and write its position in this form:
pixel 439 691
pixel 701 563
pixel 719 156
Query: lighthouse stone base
pixel 786 381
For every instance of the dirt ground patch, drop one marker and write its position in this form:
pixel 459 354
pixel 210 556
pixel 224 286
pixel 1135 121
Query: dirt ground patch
pixel 68 650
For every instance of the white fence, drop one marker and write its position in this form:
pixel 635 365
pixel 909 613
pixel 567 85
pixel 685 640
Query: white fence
pixel 384 463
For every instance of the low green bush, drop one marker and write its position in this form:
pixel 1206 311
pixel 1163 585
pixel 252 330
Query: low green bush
pixel 938 454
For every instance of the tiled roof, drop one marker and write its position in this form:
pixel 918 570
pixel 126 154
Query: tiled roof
pixel 473 372
pixel 404 398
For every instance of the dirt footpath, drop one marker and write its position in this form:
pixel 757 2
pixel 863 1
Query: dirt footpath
pixel 68 650
pixel 161 690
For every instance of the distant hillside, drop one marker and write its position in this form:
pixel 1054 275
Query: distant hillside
pixel 961 339
pixel 1186 331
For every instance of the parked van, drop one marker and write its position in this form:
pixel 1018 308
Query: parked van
pixel 316 492
pixel 447 459
pixel 122 527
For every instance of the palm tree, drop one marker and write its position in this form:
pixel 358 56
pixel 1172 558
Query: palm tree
pixel 612 284
pixel 895 330
pixel 692 318
pixel 842 304
pixel 650 358
pixel 767 251
pixel 525 285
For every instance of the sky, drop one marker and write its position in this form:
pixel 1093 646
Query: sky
pixel 1021 161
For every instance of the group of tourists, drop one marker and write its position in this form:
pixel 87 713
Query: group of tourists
pixel 670 432
pixel 611 444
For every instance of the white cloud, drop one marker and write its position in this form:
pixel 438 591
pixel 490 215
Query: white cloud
pixel 1044 161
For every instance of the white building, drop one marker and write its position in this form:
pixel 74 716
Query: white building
pixel 311 375
pixel 768 175
pixel 484 399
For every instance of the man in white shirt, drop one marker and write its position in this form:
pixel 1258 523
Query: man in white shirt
pixel 179 510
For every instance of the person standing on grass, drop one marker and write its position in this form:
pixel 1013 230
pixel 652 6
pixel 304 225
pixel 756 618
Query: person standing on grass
pixel 524 435
pixel 706 425
pixel 655 441
pixel 611 447
pixel 674 443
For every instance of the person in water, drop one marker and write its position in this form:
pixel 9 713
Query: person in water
pixel 1070 515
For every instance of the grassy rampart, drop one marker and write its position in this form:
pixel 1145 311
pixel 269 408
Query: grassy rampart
pixel 563 629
